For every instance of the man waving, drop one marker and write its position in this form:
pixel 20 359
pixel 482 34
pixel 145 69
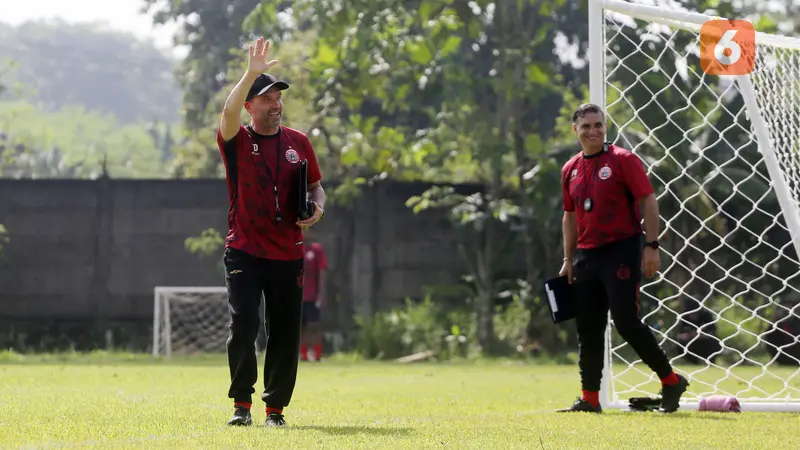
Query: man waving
pixel 264 247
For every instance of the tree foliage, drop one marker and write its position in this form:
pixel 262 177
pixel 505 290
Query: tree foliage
pixel 57 65
pixel 448 92
pixel 463 91
pixel 206 245
pixel 72 142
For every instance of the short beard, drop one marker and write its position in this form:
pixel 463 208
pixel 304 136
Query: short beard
pixel 268 121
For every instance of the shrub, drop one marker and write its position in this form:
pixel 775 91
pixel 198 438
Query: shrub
pixel 416 327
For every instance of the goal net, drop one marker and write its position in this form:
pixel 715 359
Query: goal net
pixel 189 320
pixel 722 153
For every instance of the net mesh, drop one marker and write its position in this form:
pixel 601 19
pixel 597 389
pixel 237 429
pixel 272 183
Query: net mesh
pixel 725 305
pixel 191 322
pixel 777 86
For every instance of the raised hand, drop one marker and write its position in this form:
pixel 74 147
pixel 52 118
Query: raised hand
pixel 257 62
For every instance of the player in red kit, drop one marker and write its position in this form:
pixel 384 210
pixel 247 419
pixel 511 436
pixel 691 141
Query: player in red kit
pixel 264 247
pixel 604 255
pixel 316 267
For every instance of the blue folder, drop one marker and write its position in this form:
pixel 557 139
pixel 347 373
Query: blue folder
pixel 558 292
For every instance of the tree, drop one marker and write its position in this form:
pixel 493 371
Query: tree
pixel 213 31
pixel 72 143
pixel 107 72
pixel 456 92
pixel 210 30
pixel 209 243
pixel 447 92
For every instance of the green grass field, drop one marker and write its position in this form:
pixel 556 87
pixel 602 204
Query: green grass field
pixel 118 402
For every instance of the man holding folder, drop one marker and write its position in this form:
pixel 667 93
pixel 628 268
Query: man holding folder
pixel 604 257
pixel 267 213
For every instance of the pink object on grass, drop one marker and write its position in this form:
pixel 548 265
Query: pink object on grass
pixel 720 403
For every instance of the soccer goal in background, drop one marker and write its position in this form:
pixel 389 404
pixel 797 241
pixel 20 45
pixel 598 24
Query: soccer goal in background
pixel 722 152
pixel 194 320
pixel 189 320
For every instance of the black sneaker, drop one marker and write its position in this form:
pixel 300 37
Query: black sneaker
pixel 275 420
pixel 241 417
pixel 671 395
pixel 581 405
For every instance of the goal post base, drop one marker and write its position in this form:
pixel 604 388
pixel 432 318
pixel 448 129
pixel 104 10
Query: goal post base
pixel 793 407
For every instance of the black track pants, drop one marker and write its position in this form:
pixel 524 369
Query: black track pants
pixel 608 278
pixel 247 278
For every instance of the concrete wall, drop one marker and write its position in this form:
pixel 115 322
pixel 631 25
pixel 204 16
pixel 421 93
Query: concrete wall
pixel 96 249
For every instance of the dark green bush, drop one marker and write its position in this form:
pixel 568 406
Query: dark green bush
pixel 450 333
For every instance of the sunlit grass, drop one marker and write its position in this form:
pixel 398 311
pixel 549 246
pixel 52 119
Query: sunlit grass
pixel 130 401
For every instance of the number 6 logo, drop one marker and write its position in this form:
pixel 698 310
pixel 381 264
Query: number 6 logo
pixel 727 47
pixel 727 50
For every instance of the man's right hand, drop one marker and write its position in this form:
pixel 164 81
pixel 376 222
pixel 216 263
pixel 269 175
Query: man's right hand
pixel 257 58
pixel 256 65
pixel 566 269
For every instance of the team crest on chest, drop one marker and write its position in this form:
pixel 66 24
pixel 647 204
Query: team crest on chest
pixel 604 173
pixel 292 156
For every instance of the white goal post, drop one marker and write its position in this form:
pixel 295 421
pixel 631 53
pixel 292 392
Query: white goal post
pixel 724 155
pixel 189 320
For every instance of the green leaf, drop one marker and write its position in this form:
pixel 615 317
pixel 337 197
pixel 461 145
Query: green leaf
pixel 352 100
pixel 536 75
pixel 401 92
pixel 425 10
pixel 450 46
pixel 208 243
pixel 326 54
pixel 766 24
pixel 533 144
pixel 413 200
pixel 368 126
pixel 420 53
pixel 350 156
pixel 260 17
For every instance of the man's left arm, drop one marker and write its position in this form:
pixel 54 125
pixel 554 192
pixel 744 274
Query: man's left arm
pixel 317 194
pixel 638 183
pixel 315 190
pixel 649 206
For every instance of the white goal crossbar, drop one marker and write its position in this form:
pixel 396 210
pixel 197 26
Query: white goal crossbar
pixel 739 264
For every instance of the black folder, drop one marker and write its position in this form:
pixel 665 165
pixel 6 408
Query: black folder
pixel 305 207
pixel 558 293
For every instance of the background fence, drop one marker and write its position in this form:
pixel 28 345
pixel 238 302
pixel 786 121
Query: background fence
pixel 84 256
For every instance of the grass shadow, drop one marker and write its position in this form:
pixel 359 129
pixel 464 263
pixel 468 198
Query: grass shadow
pixel 354 430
